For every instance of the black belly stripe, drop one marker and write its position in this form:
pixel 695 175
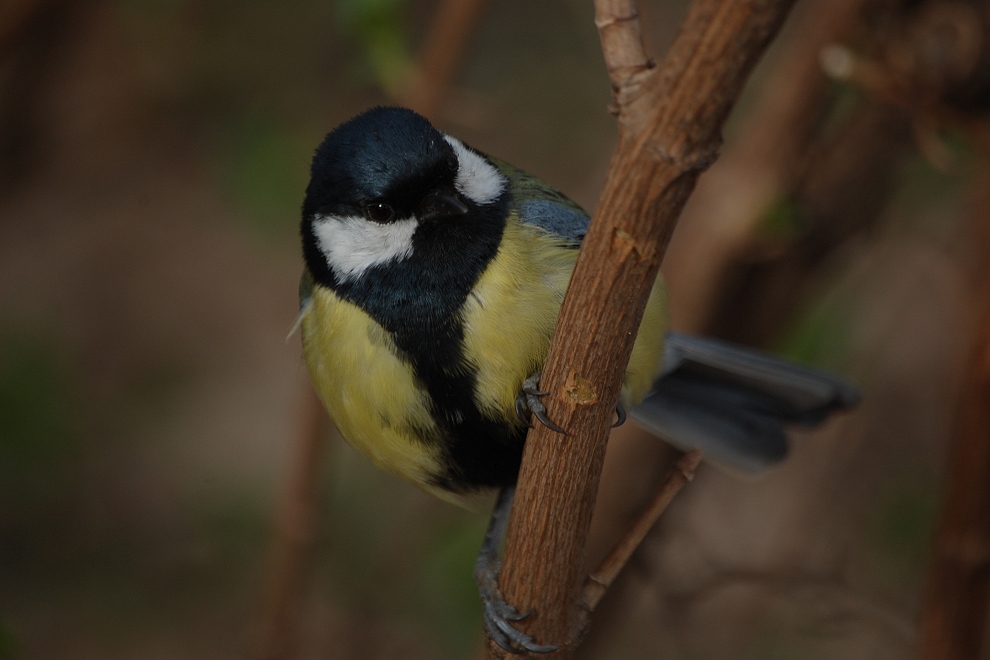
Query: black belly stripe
pixel 418 301
pixel 483 452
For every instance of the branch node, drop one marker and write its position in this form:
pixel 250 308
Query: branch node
pixel 692 159
pixel 602 23
pixel 630 84
pixel 628 71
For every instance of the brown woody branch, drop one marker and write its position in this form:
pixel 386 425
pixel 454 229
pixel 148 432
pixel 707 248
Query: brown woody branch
pixel 709 264
pixel 670 120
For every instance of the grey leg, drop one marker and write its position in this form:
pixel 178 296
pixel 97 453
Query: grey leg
pixel 497 613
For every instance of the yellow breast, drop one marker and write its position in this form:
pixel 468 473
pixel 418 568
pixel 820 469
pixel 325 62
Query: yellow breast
pixel 510 317
pixel 373 396
pixel 370 392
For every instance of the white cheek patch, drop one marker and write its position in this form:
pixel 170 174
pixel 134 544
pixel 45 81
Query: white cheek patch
pixel 353 244
pixel 476 178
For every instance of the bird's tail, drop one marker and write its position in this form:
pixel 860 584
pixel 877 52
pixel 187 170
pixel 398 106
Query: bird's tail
pixel 733 403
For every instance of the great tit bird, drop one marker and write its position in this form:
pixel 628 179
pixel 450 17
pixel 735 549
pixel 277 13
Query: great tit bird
pixel 434 276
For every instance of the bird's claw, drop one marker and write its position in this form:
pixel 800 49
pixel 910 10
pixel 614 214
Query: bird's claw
pixel 541 414
pixel 497 615
pixel 528 404
pixel 620 413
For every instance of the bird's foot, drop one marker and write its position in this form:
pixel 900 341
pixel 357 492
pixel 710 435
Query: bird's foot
pixel 499 615
pixel 528 403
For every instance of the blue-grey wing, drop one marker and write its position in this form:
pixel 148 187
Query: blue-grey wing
pixel 734 403
pixel 565 221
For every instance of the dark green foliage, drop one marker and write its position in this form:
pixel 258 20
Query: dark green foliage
pixel 38 443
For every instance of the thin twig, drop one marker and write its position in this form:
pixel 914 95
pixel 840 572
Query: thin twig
pixel 453 24
pixel 602 578
pixel 295 537
pixel 622 42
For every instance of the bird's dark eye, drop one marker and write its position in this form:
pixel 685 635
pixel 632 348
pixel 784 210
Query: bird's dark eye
pixel 379 212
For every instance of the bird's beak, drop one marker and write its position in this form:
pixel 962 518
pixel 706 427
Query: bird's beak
pixel 441 204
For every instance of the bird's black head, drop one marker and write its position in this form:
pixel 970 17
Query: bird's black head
pixel 380 184
pixel 401 220
pixel 385 156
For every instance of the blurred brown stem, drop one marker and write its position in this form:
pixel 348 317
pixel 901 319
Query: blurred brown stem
pixel 295 537
pixel 453 24
pixel 670 119
pixel 955 611
pixel 15 16
pixel 762 167
pixel 35 39
pixel 455 21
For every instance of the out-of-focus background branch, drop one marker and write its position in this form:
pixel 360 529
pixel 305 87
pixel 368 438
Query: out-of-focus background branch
pixel 424 88
pixel 954 616
pixel 152 162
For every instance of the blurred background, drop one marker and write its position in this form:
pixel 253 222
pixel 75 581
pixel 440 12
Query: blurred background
pixel 157 434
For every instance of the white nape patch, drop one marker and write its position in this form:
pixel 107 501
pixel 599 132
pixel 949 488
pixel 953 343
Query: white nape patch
pixel 353 244
pixel 476 179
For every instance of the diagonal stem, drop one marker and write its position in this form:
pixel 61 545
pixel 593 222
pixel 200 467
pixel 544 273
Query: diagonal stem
pixel 670 119
pixel 602 578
